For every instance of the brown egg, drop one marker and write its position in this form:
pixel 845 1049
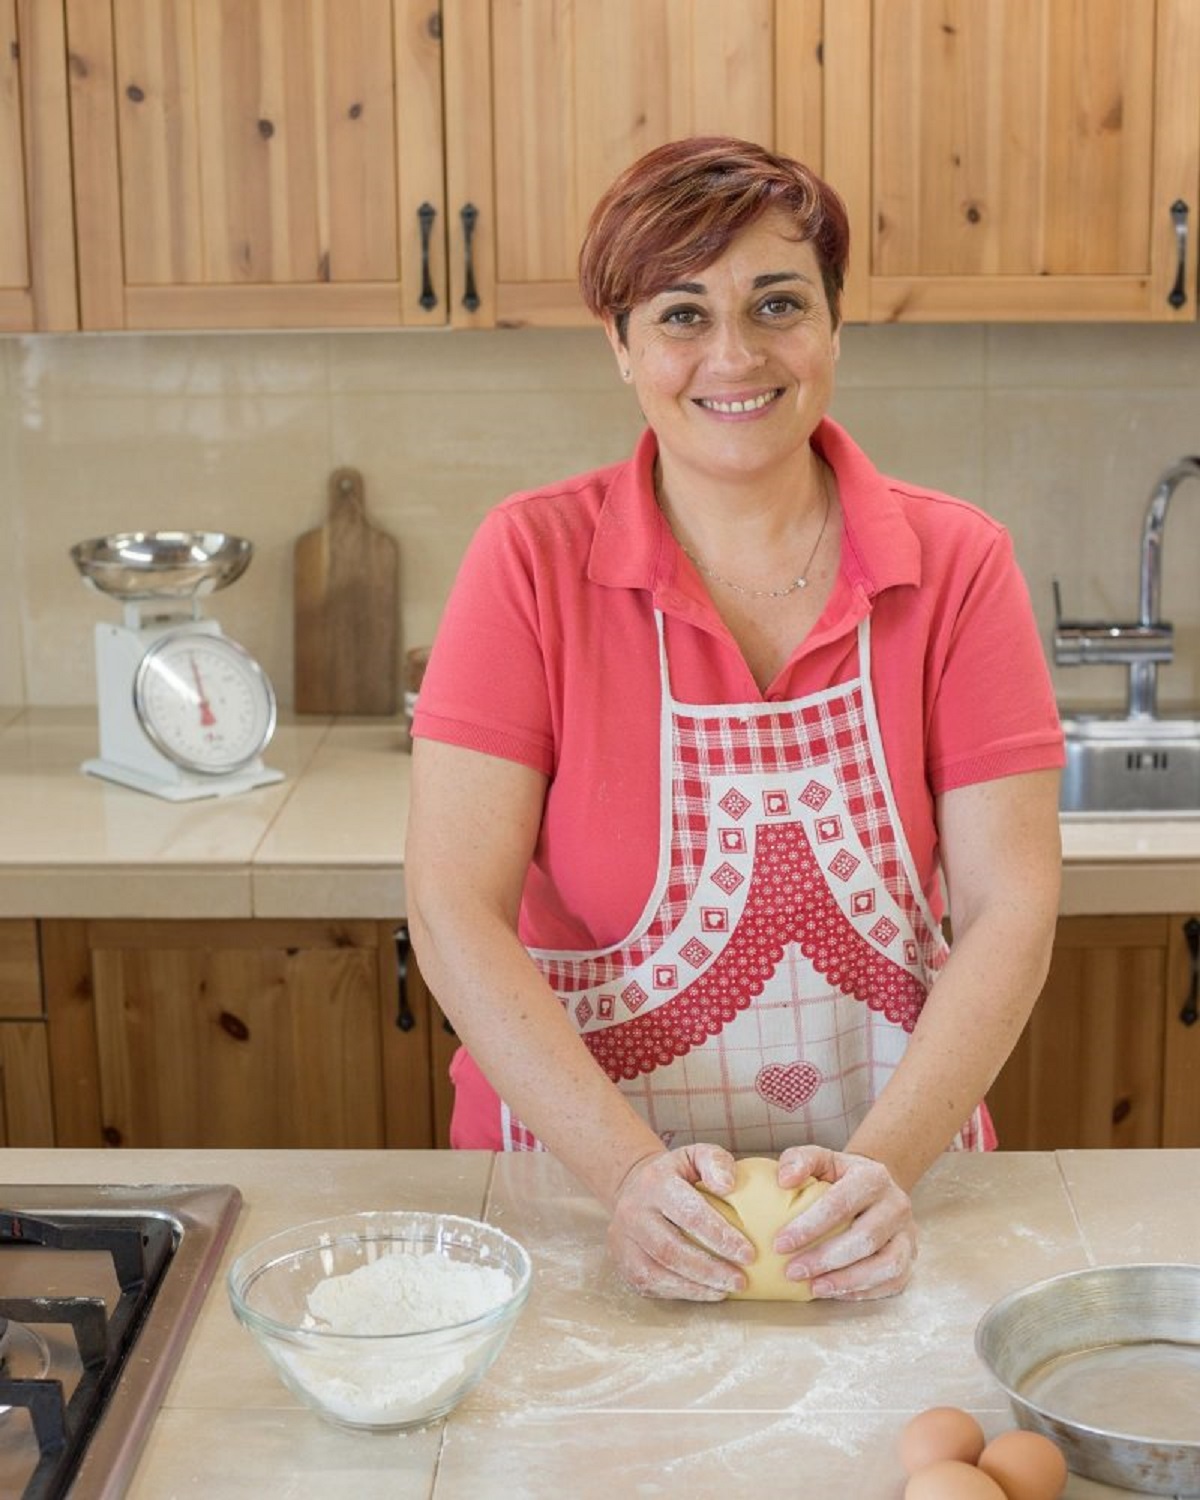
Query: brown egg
pixel 950 1480
pixel 1026 1466
pixel 940 1432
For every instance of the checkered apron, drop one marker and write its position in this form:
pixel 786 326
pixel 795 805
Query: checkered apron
pixel 767 992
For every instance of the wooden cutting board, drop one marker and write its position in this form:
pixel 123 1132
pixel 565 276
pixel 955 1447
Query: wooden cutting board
pixel 347 609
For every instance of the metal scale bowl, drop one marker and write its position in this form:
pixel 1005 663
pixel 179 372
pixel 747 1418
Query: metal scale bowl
pixel 185 710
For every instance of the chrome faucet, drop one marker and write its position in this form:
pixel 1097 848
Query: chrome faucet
pixel 1140 646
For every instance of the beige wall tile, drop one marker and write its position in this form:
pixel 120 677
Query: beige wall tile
pixel 12 677
pixel 1093 355
pixel 912 356
pixel 192 364
pixel 527 359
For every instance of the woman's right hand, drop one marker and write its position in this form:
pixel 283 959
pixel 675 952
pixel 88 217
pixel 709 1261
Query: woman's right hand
pixel 665 1239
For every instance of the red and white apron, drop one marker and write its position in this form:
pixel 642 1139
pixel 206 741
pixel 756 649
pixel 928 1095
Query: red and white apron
pixel 766 993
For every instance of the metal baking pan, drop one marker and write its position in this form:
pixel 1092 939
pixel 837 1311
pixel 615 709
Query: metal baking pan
pixel 1106 1363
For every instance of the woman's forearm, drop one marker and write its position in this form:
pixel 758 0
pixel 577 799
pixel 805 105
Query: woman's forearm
pixel 975 1012
pixel 1002 856
pixel 514 1027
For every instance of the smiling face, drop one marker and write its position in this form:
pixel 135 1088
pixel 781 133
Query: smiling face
pixel 733 367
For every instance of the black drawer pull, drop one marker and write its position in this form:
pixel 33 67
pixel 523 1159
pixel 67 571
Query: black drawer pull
pixel 405 1020
pixel 1179 217
pixel 469 217
pixel 426 215
pixel 1190 1013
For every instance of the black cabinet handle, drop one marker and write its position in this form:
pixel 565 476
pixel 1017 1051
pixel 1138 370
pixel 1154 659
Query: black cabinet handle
pixel 1179 217
pixel 405 1020
pixel 425 216
pixel 469 217
pixel 1190 1013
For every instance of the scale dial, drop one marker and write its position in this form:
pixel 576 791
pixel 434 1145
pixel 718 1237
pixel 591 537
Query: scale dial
pixel 204 702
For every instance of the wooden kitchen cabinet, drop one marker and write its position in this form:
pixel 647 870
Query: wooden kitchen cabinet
pixel 25 1113
pixel 267 1034
pixel 37 237
pixel 1108 1057
pixel 386 163
pixel 257 163
pixel 1016 159
pixel 547 100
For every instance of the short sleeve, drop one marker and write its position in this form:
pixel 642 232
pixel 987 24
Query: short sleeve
pixel 485 687
pixel 993 711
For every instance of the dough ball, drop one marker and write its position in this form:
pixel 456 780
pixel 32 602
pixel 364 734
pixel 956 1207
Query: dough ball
pixel 760 1208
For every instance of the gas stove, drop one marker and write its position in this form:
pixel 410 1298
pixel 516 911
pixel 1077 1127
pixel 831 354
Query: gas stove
pixel 99 1288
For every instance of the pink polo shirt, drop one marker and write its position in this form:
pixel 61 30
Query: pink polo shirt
pixel 547 655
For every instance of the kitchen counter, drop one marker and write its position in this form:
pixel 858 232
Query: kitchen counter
pixel 328 840
pixel 599 1392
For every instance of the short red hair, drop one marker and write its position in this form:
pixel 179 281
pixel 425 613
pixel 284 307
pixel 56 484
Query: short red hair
pixel 676 210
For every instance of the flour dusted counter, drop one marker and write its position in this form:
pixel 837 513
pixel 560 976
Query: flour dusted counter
pixel 599 1392
pixel 235 972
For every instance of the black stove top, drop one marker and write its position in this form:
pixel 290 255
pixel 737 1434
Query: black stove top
pixel 98 1289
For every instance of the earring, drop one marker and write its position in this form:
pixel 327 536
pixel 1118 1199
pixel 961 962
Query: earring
pixel 626 374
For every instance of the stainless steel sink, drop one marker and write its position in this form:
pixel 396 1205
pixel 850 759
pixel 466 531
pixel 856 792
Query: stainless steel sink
pixel 1132 766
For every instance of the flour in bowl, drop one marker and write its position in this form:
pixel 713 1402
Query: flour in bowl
pixel 407 1294
pixel 395 1384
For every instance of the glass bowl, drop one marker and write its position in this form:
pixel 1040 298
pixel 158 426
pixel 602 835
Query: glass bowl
pixel 427 1307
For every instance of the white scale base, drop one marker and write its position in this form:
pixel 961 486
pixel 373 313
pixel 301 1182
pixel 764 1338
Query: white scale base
pixel 189 788
pixel 127 755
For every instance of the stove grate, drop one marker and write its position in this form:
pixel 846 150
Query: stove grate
pixel 140 1249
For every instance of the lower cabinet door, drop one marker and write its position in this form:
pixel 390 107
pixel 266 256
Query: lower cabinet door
pixel 234 1034
pixel 1088 1069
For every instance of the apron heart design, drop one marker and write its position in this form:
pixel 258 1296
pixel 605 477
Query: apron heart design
pixel 788 1085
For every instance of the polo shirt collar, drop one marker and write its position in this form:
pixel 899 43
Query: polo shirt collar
pixel 633 546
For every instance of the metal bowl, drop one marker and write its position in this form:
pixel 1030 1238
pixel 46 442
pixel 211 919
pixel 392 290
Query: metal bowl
pixel 1106 1363
pixel 162 564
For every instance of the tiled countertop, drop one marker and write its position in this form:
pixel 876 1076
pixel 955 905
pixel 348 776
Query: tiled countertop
pixel 601 1393
pixel 328 840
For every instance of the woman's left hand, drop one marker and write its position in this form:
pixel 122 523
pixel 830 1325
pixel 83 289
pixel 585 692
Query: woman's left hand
pixel 873 1254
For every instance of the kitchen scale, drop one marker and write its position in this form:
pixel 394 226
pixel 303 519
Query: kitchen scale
pixel 185 710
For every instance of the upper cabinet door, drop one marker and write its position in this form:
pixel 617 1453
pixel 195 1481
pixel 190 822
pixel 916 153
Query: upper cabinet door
pixel 257 163
pixel 37 236
pixel 547 100
pixel 1017 159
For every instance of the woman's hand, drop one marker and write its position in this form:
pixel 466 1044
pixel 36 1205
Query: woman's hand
pixel 873 1254
pixel 666 1240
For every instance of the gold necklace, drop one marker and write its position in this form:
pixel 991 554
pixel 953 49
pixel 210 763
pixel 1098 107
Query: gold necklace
pixel 797 583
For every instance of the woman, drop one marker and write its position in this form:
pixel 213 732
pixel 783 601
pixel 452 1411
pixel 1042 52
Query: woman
pixel 698 733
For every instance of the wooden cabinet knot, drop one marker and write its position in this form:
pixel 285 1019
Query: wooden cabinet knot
pixel 235 1026
pixel 355 111
pixel 434 25
pixel 112 1136
pixel 135 93
pixel 974 216
pixel 1122 1109
pixel 266 129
